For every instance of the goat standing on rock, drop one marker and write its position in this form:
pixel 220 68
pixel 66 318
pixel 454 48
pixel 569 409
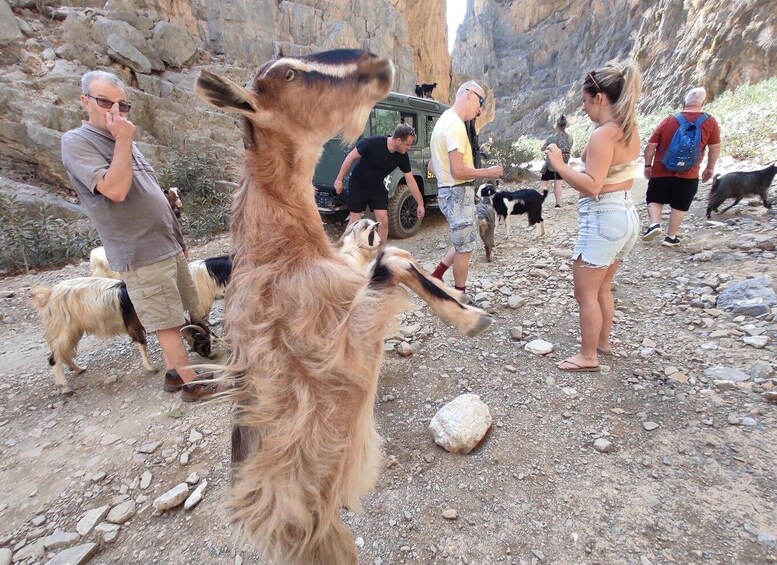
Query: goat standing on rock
pixel 307 328
pixel 739 184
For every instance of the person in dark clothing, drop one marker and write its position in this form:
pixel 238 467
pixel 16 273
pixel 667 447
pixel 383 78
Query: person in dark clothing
pixel 376 158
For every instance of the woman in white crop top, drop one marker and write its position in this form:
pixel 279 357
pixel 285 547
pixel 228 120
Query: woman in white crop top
pixel 608 224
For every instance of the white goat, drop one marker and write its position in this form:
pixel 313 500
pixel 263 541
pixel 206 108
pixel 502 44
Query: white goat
pixel 359 244
pixel 85 305
pixel 99 263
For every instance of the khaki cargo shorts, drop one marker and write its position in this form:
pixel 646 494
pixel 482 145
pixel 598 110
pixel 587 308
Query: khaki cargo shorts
pixel 162 292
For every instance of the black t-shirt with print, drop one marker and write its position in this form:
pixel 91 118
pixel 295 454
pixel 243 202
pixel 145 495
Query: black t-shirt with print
pixel 376 163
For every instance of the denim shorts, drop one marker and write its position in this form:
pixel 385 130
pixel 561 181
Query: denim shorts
pixel 457 203
pixel 608 228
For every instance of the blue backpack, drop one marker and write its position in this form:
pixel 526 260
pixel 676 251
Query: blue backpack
pixel 683 150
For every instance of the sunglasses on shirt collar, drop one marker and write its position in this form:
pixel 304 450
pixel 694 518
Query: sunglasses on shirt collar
pixel 107 104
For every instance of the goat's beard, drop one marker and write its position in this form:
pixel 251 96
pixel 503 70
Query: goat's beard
pixel 354 127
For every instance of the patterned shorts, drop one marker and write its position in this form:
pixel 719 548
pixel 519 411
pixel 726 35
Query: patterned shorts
pixel 457 203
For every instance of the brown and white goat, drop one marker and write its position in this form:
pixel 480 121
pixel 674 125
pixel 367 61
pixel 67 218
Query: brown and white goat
pixel 85 305
pixel 174 199
pixel 307 328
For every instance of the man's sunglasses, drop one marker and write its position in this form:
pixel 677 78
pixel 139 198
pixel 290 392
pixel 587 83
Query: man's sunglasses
pixel 124 107
pixel 480 98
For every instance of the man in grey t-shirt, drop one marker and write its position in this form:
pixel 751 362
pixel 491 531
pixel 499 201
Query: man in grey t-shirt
pixel 141 235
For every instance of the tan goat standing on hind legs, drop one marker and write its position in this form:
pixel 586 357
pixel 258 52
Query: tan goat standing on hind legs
pixel 306 328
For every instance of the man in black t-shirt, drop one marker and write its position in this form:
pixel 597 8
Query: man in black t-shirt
pixel 376 158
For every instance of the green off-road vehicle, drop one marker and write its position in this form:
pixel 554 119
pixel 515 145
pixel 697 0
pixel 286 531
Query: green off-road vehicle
pixel 422 114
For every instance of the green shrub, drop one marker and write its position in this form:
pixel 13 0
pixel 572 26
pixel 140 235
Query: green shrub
pixel 206 209
pixel 515 153
pixel 32 237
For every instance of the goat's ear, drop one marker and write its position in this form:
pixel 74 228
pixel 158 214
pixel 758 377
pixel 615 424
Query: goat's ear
pixel 225 94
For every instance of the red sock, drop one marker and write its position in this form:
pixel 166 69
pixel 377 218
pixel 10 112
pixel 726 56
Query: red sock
pixel 440 270
pixel 461 288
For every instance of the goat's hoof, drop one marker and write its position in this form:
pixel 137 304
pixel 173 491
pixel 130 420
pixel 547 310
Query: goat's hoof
pixel 483 324
pixel 68 393
pixel 151 370
pixel 79 370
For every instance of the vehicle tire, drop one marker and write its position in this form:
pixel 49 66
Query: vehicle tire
pixel 402 208
pixel 337 217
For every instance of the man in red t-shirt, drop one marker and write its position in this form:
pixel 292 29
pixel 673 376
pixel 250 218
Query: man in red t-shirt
pixel 677 188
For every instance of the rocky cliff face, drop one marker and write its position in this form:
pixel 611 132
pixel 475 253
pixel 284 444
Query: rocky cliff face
pixel 533 54
pixel 157 47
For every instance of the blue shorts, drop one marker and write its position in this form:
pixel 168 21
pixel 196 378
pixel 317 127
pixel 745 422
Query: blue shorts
pixel 608 228
pixel 457 203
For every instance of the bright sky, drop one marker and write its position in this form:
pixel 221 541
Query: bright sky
pixel 456 10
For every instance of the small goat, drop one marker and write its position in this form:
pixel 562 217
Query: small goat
pixel 486 217
pixel 99 307
pixel 99 264
pixel 210 276
pixel 359 244
pixel 737 185
pixel 527 201
pixel 85 305
pixel 307 329
pixel 174 199
pixel 425 90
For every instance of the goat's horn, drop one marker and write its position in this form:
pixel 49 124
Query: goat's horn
pixel 194 328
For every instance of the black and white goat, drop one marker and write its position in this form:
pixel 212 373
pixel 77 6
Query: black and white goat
pixel 359 244
pixel 100 307
pixel 527 201
pixel 486 217
pixel 210 276
pixel 739 184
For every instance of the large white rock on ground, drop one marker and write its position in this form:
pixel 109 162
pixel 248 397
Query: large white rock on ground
pixel 539 347
pixel 93 517
pixel 460 425
pixel 171 498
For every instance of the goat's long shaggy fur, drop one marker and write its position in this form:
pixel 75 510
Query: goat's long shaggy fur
pixel 306 327
pixel 86 305
pixel 739 184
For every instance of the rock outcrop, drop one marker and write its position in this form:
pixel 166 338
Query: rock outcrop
pixel 157 48
pixel 533 54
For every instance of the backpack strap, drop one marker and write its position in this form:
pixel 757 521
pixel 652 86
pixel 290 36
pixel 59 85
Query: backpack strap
pixel 680 119
pixel 700 120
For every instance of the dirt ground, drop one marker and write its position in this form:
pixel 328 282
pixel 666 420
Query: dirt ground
pixel 699 488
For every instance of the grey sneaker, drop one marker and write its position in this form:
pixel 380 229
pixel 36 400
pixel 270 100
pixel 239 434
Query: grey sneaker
pixel 652 232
